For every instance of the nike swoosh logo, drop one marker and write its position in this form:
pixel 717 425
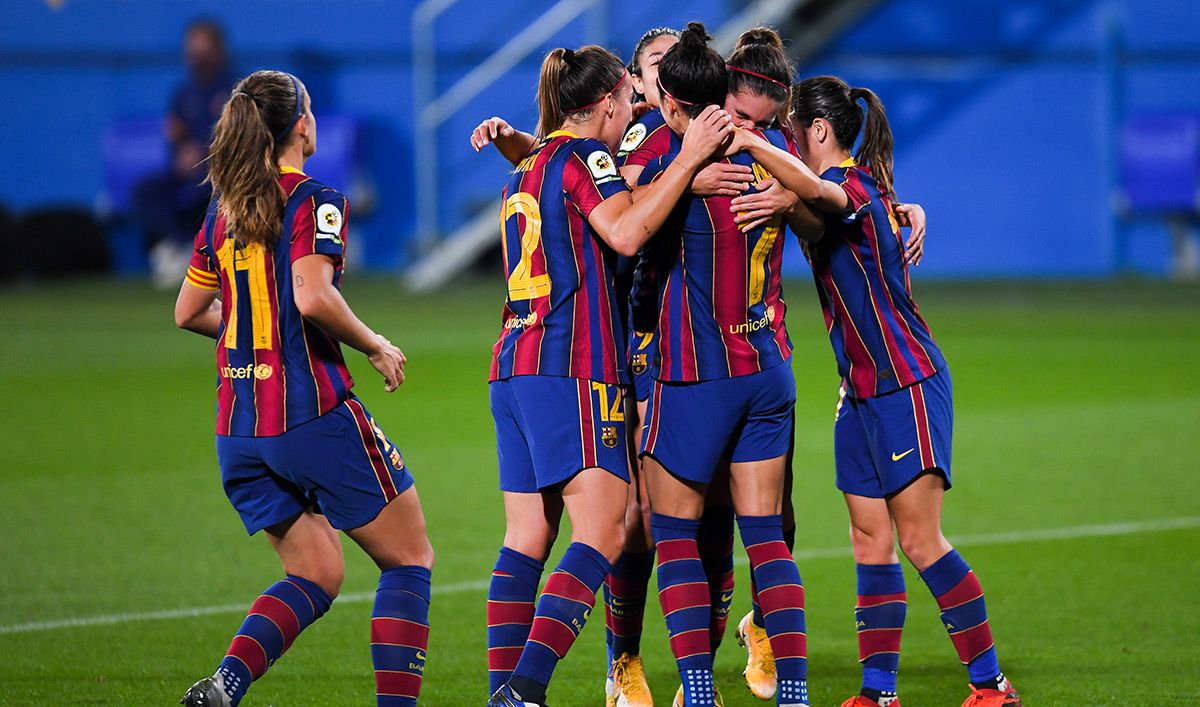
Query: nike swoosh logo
pixel 898 457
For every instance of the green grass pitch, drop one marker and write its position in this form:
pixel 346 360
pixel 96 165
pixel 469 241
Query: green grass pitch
pixel 1076 462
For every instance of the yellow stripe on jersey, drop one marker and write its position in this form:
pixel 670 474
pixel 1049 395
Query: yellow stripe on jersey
pixel 202 279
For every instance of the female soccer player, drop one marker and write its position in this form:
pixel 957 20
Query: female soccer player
pixel 567 214
pixel 723 393
pixel 895 416
pixel 299 454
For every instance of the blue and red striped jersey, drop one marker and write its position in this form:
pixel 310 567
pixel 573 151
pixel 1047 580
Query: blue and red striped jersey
pixel 880 340
pixel 720 298
pixel 561 316
pixel 275 370
pixel 646 140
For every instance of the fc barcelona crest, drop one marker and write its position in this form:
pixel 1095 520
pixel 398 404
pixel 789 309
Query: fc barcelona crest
pixel 608 435
pixel 639 363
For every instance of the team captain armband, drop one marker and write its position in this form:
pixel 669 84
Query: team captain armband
pixel 202 278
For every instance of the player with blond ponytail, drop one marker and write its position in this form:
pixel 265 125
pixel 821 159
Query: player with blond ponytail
pixel 300 456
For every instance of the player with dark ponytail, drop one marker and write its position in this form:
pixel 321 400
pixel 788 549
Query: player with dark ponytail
pixel 895 414
pixel 567 215
pixel 724 394
pixel 298 452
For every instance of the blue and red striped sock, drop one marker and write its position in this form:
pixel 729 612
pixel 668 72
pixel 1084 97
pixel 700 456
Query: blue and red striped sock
pixel 879 619
pixel 275 620
pixel 683 593
pixel 715 543
pixel 400 635
pixel 511 595
pixel 781 594
pixel 789 539
pixel 964 615
pixel 562 610
pixel 625 602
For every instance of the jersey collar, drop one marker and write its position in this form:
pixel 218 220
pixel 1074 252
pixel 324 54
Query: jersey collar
pixel 849 163
pixel 290 170
pixel 562 133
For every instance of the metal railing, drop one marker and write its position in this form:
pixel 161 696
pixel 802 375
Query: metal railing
pixel 431 109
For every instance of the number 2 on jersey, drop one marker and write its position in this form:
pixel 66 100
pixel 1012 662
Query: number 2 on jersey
pixel 522 284
pixel 250 259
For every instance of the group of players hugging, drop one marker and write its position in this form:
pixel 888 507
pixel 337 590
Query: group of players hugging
pixel 641 381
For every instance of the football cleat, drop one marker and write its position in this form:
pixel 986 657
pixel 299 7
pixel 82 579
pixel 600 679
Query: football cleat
pixel 508 697
pixel 860 701
pixel 206 693
pixel 760 659
pixel 627 687
pixel 1007 697
pixel 678 701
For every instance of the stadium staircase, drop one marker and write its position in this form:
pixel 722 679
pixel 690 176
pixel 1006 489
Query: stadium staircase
pixel 443 258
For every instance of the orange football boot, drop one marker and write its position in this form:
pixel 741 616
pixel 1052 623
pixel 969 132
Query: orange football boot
pixel 860 701
pixel 1007 697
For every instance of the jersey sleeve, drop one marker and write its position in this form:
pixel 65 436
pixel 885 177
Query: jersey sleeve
pixel 654 169
pixel 320 226
pixel 202 268
pixel 650 146
pixel 591 176
pixel 856 192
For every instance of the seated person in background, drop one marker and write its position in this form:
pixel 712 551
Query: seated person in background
pixel 170 205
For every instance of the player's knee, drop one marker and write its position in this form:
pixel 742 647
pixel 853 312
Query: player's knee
pixel 608 541
pixel 327 575
pixel 923 547
pixel 872 545
pixel 532 542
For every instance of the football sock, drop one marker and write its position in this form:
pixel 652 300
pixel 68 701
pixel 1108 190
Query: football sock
pixel 275 619
pixel 400 634
pixel 625 602
pixel 879 619
pixel 683 593
pixel 755 608
pixel 715 544
pixel 781 595
pixel 964 615
pixel 511 594
pixel 562 610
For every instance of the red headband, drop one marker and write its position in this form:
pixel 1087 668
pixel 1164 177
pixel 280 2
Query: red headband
pixel 674 98
pixel 755 74
pixel 598 101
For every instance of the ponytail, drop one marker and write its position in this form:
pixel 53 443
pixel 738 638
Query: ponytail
pixel 876 148
pixel 832 99
pixel 253 128
pixel 572 83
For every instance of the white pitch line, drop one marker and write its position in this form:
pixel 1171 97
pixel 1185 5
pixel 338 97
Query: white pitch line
pixel 1006 538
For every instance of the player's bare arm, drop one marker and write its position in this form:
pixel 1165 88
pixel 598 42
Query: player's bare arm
pixel 625 223
pixel 198 310
pixel 322 304
pixel 512 144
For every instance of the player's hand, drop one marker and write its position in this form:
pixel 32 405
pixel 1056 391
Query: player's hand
pixel 722 179
pixel 913 216
pixel 389 360
pixel 754 210
pixel 488 131
pixel 707 134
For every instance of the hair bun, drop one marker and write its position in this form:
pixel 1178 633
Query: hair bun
pixel 695 35
pixel 568 55
pixel 760 35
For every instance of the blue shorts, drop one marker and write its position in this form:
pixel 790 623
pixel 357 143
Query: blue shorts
pixel 340 464
pixel 881 444
pixel 691 427
pixel 550 428
pixel 643 362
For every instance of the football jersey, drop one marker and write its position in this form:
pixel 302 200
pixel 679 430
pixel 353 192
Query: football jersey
pixel 720 297
pixel 561 315
pixel 880 340
pixel 646 140
pixel 275 369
